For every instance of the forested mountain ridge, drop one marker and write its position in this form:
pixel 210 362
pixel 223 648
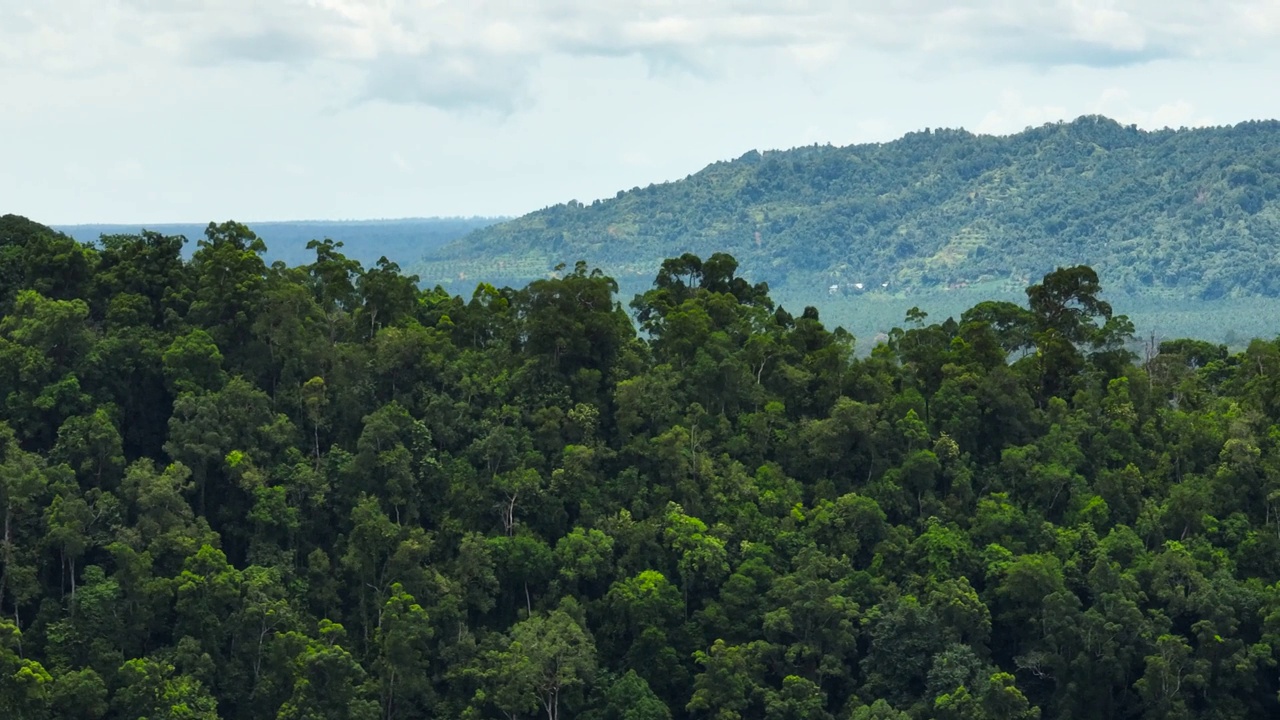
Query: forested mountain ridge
pixel 248 491
pixel 1188 212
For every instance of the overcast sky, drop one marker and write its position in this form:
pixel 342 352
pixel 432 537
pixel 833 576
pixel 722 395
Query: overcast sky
pixel 193 110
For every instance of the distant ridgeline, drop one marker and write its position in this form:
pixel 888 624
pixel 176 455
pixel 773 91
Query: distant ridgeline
pixel 401 241
pixel 1181 214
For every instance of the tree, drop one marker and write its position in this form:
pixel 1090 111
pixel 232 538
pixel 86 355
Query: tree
pixel 208 589
pixel 726 689
pixel 1011 324
pixel 543 656
pixel 193 364
pixel 78 695
pixel 904 637
pixel 584 557
pixel 230 277
pixel 379 554
pixel 641 625
pixel 1170 672
pixel 629 698
pixel 24 684
pixel 149 266
pixel 814 619
pixel 575 322
pixel 38 258
pixel 386 295
pixel 43 344
pixel 996 698
pixel 1067 302
pixel 328 682
pixel 206 428
pixel 22 489
pixel 265 622
pixel 92 446
pixel 333 279
pixel 154 690
pixel 403 664
pixel 700 555
pixel 1066 314
pixel 70 518
pixel 799 699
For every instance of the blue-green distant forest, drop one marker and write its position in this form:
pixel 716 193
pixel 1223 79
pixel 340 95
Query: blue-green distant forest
pixel 401 240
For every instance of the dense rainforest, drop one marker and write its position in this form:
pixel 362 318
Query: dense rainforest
pixel 1191 213
pixel 240 490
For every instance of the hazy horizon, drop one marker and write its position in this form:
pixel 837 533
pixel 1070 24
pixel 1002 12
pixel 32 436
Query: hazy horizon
pixel 280 221
pixel 606 196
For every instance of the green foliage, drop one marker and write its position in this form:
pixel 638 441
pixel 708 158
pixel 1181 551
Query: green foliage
pixel 236 491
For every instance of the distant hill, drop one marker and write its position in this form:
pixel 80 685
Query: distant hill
pixel 1185 214
pixel 402 241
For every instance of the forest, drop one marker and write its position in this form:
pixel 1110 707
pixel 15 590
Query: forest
pixel 1190 213
pixel 249 491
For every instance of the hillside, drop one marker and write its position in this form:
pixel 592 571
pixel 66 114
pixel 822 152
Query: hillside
pixel 402 241
pixel 240 491
pixel 1185 214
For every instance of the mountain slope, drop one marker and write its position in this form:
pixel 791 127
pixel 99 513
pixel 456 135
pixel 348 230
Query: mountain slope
pixel 1191 213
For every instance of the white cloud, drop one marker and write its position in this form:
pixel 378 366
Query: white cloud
pixel 1118 104
pixel 481 53
pixel 271 109
pixel 1102 23
pixel 813 56
pixel 1014 115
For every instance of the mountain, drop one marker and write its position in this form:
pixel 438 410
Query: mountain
pixel 1176 213
pixel 402 241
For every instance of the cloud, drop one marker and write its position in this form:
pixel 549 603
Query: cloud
pixel 272 45
pixel 480 54
pixel 453 80
pixel 1118 104
pixel 1014 115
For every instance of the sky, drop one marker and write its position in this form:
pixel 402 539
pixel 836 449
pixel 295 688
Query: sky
pixel 191 110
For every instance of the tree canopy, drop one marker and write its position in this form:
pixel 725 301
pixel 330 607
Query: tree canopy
pixel 233 489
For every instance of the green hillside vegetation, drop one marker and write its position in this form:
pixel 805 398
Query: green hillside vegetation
pixel 241 491
pixel 1181 214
